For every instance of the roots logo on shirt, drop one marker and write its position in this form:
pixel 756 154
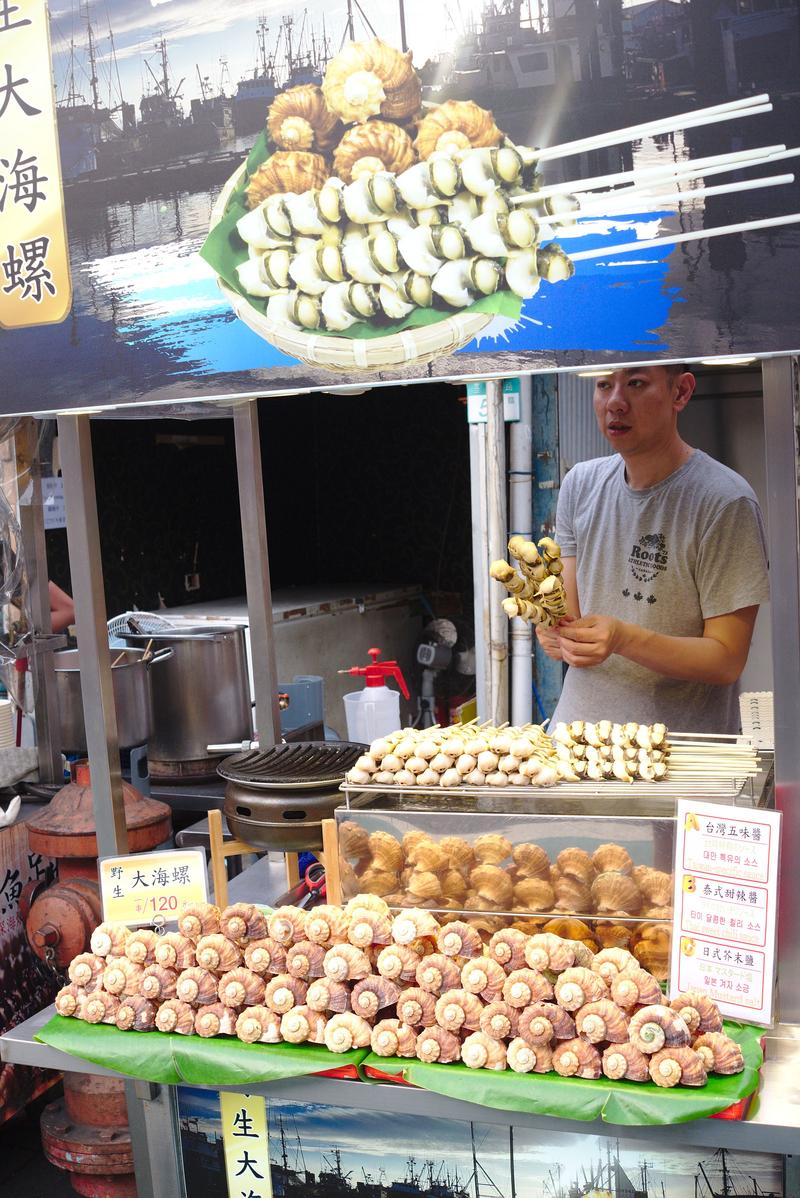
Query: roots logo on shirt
pixel 648 557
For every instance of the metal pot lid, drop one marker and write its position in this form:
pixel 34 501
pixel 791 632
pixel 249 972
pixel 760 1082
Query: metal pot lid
pixel 186 632
pixel 304 765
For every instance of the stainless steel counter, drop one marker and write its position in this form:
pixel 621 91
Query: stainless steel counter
pixel 773 1125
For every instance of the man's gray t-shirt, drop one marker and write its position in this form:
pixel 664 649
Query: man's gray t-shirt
pixel 667 558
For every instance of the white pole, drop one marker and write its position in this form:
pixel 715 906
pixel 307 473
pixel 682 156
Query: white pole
pixel 520 492
pixel 496 523
pixel 480 573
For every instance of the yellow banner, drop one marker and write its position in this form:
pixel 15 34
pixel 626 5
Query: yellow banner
pixel 245 1137
pixel 35 283
pixel 151 886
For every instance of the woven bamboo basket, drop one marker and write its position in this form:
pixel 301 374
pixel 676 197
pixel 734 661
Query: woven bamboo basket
pixel 413 347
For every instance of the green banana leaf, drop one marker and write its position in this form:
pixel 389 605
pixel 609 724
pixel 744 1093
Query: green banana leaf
pixel 172 1059
pixel 224 250
pixel 630 1103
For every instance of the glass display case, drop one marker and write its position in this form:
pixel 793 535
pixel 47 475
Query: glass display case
pixel 592 864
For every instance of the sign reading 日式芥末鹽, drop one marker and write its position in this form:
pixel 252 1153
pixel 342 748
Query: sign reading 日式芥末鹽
pixel 339 209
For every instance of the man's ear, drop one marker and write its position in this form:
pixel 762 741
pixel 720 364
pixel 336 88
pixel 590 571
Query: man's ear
pixel 684 389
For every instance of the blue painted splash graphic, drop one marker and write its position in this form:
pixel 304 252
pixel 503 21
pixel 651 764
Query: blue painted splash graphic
pixel 153 318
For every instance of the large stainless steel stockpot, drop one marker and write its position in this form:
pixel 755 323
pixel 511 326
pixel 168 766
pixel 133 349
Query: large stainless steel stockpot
pixel 131 680
pixel 201 696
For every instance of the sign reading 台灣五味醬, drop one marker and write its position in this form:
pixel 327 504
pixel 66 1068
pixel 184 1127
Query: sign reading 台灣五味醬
pixel 35 286
pixel 726 890
pixel 152 886
pixel 245 1138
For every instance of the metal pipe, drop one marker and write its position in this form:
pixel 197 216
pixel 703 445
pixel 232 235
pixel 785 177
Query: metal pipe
pixel 520 506
pixel 86 572
pixel 480 578
pixel 48 724
pixel 780 440
pixel 497 523
pixel 256 572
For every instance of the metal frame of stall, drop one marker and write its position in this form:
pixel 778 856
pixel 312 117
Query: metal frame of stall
pixel 774 1125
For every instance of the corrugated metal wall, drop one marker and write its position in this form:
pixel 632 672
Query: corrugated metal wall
pixel 579 436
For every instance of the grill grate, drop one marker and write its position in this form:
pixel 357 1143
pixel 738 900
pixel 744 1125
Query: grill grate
pixel 305 763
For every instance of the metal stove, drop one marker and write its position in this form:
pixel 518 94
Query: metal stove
pixel 278 798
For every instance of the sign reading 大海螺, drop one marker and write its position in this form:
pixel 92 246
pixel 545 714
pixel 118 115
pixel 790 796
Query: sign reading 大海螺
pixel 511 196
pixel 152 887
pixel 35 285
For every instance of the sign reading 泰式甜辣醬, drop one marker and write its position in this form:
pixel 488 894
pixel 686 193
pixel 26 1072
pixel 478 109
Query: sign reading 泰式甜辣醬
pixel 35 284
pixel 148 887
pixel 725 900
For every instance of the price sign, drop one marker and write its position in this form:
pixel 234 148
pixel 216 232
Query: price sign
pixel 148 886
pixel 726 888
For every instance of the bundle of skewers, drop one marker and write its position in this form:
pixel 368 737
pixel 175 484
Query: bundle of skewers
pixel 357 977
pixel 355 223
pixel 461 755
pixel 607 750
pixel 711 756
pixel 536 593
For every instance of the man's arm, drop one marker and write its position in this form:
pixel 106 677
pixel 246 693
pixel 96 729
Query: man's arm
pixel 548 637
pixel 717 657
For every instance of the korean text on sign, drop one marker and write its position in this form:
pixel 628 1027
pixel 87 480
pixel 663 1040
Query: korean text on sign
pixel 35 284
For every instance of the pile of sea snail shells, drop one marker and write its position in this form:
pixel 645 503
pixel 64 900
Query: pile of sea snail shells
pixel 356 977
pixel 483 755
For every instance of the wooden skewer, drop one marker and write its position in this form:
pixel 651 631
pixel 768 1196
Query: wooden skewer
pixel 714 164
pixel 745 226
pixel 633 198
pixel 731 110
pixel 118 658
pixel 703 736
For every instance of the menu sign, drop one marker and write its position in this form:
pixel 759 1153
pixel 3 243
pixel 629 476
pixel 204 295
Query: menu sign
pixel 726 885
pixel 34 259
pixel 152 886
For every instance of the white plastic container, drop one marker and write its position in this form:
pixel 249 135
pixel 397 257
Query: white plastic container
pixel 375 710
pixel 371 712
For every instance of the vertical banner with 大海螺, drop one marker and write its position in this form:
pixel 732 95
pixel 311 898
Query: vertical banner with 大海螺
pixel 35 285
pixel 246 1143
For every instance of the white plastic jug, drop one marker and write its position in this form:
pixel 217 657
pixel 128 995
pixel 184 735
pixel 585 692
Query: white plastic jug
pixel 371 712
pixel 374 711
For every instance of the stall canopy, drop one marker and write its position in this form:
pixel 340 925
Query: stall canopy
pixel 209 203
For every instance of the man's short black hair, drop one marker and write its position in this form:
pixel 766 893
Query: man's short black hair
pixel 673 369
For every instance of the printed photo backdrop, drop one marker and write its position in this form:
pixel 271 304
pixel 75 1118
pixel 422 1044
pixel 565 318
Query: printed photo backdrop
pixel 347 1153
pixel 160 109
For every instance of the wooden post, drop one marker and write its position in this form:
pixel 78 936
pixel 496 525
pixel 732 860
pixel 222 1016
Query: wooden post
pixel 330 846
pixel 292 870
pixel 219 872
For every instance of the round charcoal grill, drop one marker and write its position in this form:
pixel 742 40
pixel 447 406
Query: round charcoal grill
pixel 278 798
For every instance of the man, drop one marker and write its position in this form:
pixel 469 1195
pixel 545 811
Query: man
pixel 664 566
